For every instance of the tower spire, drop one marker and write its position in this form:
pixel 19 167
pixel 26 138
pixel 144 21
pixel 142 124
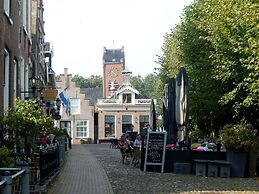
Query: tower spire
pixel 113 43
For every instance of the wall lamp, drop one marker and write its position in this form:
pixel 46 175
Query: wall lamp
pixel 33 83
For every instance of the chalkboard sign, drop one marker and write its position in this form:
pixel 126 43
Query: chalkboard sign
pixel 155 149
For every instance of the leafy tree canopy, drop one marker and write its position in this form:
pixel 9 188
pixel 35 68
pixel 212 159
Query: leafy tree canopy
pixel 94 81
pixel 149 87
pixel 217 43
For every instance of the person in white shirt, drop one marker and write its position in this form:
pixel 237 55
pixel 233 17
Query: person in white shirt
pixel 138 141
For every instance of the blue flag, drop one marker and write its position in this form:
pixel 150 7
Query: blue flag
pixel 63 98
pixel 68 108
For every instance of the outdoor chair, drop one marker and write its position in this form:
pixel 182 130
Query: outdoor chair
pixel 136 156
pixel 114 143
pixel 126 154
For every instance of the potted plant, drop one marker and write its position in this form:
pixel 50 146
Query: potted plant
pixel 241 137
pixel 239 140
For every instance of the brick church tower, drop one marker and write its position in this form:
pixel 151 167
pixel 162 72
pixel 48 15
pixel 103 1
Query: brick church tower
pixel 113 65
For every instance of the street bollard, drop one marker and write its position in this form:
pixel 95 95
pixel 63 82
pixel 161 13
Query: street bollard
pixel 7 187
pixel 25 184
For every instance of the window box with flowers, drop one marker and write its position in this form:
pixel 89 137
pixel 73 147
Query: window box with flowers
pixel 239 140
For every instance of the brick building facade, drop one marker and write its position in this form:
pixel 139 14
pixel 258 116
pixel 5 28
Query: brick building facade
pixel 113 65
pixel 122 108
pixel 79 120
pixel 21 51
pixel 14 50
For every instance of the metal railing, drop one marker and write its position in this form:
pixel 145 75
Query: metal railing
pixel 49 163
pixel 7 180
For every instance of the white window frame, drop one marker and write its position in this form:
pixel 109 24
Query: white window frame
pixel 15 65
pixel 125 98
pixel 29 19
pixel 6 79
pixel 84 125
pixel 7 11
pixel 114 122
pixel 24 15
pixel 7 7
pixel 75 106
pixel 22 79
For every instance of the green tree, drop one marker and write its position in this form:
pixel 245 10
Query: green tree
pixel 24 125
pixel 138 83
pixel 147 86
pixel 150 82
pixel 94 81
pixel 217 43
pixel 233 32
pixel 195 53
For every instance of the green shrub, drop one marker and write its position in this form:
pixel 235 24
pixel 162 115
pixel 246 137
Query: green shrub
pixel 6 160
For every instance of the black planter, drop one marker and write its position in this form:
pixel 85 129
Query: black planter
pixel 238 162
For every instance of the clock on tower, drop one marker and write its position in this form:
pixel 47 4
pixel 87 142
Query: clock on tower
pixel 114 72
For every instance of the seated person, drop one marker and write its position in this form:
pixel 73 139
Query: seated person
pixel 138 141
pixel 124 144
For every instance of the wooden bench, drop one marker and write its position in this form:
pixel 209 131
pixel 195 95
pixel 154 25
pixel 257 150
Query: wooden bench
pixel 200 167
pixel 212 168
pixel 182 168
pixel 224 168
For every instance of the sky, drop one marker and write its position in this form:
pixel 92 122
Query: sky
pixel 80 29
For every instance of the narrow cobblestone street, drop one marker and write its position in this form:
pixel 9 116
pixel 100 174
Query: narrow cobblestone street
pixel 81 174
pixel 127 179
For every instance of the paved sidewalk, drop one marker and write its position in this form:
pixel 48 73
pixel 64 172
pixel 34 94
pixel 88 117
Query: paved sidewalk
pixel 81 174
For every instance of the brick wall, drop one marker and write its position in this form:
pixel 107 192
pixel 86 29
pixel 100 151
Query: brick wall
pixel 15 42
pixel 106 77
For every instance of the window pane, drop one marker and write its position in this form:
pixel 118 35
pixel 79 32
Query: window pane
pixel 24 12
pixel 81 129
pixel 66 125
pixel 126 119
pixel 126 98
pixel 109 125
pixel 109 118
pixel 144 118
pixel 7 6
pixel 5 79
pixel 75 105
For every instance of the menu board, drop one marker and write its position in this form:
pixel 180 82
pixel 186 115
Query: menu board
pixel 155 149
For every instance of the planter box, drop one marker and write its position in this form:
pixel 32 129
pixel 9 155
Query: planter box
pixel 238 162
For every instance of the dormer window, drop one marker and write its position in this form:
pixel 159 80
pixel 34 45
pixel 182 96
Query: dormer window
pixel 126 98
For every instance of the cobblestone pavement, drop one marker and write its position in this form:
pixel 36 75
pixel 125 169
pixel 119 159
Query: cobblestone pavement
pixel 131 180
